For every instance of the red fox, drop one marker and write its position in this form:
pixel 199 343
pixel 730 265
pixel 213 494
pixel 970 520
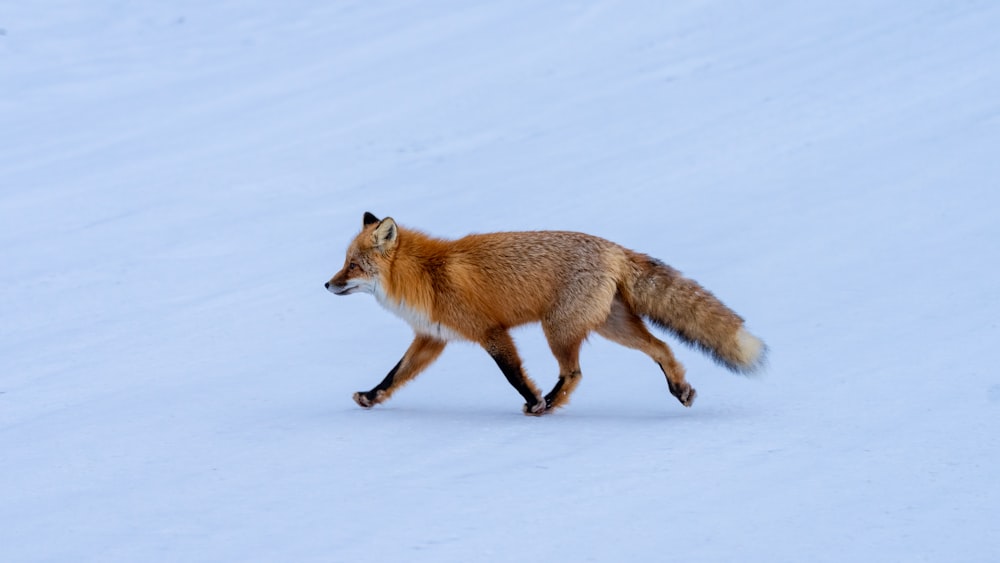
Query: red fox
pixel 480 286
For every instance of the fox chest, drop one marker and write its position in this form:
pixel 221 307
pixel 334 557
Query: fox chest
pixel 418 320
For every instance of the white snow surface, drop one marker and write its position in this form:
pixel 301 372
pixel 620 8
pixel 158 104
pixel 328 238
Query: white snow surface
pixel 179 179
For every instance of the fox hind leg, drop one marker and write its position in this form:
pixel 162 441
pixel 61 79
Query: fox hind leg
pixel 628 329
pixel 566 349
pixel 581 309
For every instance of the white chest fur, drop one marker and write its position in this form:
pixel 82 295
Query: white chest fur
pixel 419 321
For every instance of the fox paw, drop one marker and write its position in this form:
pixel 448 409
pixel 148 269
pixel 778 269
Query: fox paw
pixel 367 399
pixel 685 394
pixel 537 409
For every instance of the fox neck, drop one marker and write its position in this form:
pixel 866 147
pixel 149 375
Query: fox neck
pixel 407 288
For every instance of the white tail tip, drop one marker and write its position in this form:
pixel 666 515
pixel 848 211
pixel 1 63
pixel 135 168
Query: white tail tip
pixel 752 350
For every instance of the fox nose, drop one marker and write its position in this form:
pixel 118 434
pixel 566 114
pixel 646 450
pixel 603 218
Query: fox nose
pixel 327 285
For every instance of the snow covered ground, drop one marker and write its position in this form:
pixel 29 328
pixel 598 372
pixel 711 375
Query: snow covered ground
pixel 178 179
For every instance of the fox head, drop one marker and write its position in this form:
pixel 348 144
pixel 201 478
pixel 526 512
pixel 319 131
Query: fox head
pixel 367 256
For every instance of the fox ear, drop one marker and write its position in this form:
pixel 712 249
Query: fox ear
pixel 385 234
pixel 369 219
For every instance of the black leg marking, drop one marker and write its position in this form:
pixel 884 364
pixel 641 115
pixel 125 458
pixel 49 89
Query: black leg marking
pixel 551 396
pixel 684 395
pixel 501 348
pixel 512 371
pixel 567 382
pixel 387 382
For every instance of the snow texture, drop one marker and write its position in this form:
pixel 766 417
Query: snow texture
pixel 179 179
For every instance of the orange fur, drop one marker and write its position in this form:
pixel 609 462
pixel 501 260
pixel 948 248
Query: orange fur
pixel 478 287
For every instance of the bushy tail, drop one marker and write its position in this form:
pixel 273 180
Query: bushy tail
pixel 678 304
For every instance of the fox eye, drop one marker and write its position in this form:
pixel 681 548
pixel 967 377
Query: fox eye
pixel 352 266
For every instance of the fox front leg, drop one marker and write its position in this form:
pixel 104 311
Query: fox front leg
pixel 500 346
pixel 369 399
pixel 418 356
